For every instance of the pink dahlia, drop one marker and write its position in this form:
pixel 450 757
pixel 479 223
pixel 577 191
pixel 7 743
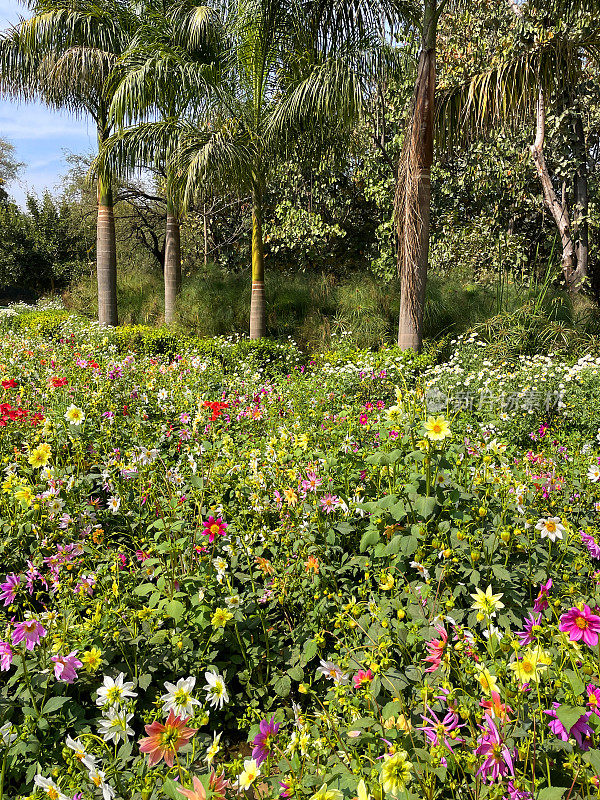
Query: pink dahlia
pixel 31 632
pixel 65 666
pixel 498 758
pixel 213 528
pixel 581 624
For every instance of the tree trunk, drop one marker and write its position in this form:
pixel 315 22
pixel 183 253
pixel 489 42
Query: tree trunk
pixel 205 220
pixel 172 263
pixel 581 201
pixel 413 195
pixel 558 209
pixel 106 256
pixel 258 323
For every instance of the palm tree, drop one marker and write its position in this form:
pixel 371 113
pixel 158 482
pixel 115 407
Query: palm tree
pixel 63 55
pixel 149 103
pixel 285 68
pixel 412 203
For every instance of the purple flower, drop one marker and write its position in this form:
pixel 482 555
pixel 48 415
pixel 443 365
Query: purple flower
pixel 8 589
pixel 31 631
pixel 5 656
pixel 517 794
pixel 581 731
pixel 65 666
pixel 498 758
pixel 527 635
pixel 591 544
pixel 264 739
pixel 438 731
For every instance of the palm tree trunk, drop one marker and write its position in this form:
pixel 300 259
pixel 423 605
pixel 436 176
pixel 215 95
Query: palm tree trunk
pixel 258 323
pixel 172 263
pixel 413 193
pixel 106 256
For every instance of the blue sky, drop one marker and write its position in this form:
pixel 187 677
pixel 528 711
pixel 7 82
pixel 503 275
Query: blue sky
pixel 41 137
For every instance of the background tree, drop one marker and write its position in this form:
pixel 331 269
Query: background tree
pixel 63 55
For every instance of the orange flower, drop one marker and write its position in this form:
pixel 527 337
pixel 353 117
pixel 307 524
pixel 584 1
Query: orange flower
pixel 163 741
pixel 265 565
pixel 291 498
pixel 216 783
pixel 312 565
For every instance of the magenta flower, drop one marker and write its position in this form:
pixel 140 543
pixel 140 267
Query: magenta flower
pixel 264 739
pixel 581 731
pixel 436 649
pixel 329 503
pixel 527 635
pixel 312 482
pixel 593 701
pixel 438 731
pixel 65 666
pixel 517 794
pixel 8 589
pixel 591 544
pixel 498 760
pixel 213 528
pixel 6 656
pixel 581 624
pixel 31 631
pixel 541 602
pixel 362 678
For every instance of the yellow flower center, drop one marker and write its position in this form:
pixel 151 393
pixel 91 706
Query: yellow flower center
pixel 581 623
pixel 550 526
pixel 214 529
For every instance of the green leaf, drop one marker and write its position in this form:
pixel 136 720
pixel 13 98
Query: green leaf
pixel 576 683
pixel 54 703
pixel 311 649
pixel 144 589
pixel 283 685
pixel 552 793
pixel 391 709
pixel 425 506
pixel 175 610
pixel 296 673
pixel 369 539
pixel 569 715
pixel 592 757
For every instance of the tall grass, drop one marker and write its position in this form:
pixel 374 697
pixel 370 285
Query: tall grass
pixel 311 307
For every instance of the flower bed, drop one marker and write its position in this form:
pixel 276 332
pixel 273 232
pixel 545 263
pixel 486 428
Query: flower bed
pixel 222 577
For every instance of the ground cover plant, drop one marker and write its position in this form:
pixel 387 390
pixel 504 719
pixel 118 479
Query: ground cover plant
pixel 230 572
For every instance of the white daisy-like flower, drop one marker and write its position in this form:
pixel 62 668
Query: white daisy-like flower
pixel 233 601
pixel 114 691
pixel 213 748
pixel 97 778
pixel 114 504
pixel 49 788
pixel 216 691
pixel 114 725
pixel 78 748
pixel 594 473
pixel 550 527
pixel 7 734
pixel 333 672
pixel 423 572
pixel 179 697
